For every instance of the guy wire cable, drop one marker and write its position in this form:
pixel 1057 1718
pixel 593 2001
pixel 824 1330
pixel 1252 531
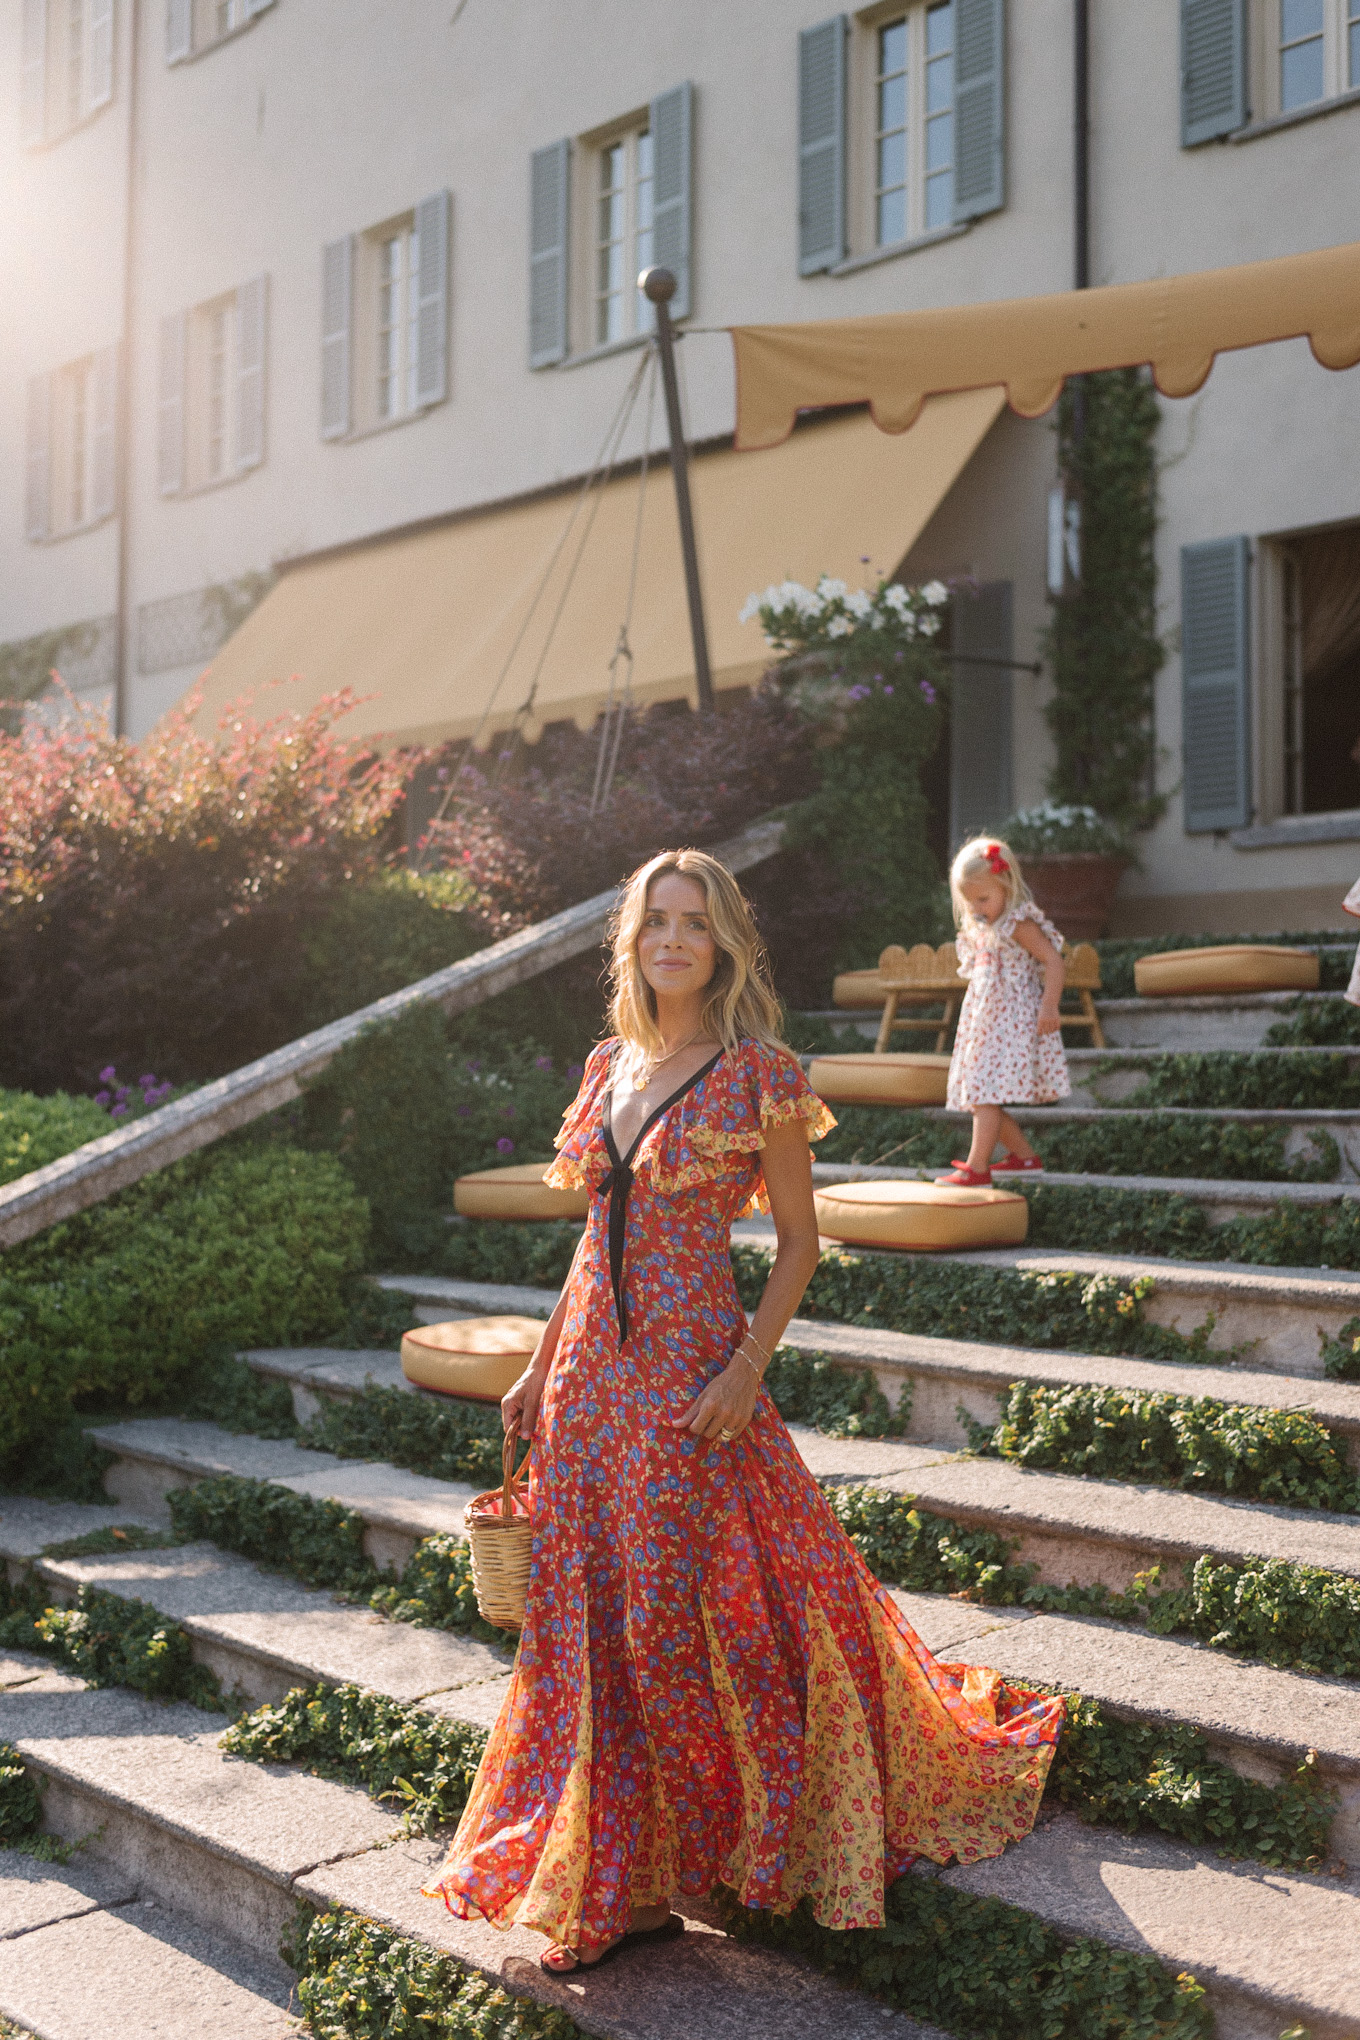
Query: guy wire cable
pixel 623 649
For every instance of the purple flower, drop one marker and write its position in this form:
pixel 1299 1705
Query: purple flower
pixel 473 1066
pixel 118 1111
pixel 103 1097
pixel 887 690
pixel 575 1070
pixel 148 1083
pixel 542 1062
pixel 465 1112
pixel 507 1112
pixel 927 690
pixel 108 1076
pixel 859 692
pixel 504 1146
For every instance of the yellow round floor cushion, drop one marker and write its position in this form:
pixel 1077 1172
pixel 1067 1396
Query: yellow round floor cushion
pixel 516 1192
pixel 926 1217
pixel 1234 967
pixel 863 1078
pixel 480 1358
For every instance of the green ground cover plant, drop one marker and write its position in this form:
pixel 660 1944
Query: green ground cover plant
pixel 1163 1222
pixel 917 1293
pixel 35 1131
pixel 107 1641
pixel 319 1541
pixel 1148 1144
pixel 1284 1456
pixel 988 1970
pixel 251 1243
pixel 20 1800
pixel 538 1253
pixel 1341 1355
pixel 447 1439
pixel 358 1980
pixel 422 1762
pixel 1315 1023
pixel 1251 1079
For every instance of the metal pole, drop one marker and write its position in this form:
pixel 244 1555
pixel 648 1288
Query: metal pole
pixel 1081 180
pixel 123 394
pixel 659 286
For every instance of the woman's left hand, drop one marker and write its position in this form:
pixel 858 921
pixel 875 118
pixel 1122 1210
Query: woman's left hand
pixel 727 1404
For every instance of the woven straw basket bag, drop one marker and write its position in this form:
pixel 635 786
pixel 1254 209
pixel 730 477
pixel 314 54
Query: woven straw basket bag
pixel 500 1538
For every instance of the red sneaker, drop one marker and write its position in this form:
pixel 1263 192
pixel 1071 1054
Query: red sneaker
pixel 1017 1165
pixel 966 1178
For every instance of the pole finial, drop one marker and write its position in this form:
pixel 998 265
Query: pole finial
pixel 657 284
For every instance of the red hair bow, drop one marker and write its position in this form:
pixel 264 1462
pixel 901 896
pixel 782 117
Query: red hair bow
pixel 996 860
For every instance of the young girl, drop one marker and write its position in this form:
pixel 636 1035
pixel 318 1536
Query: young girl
pixel 1008 1049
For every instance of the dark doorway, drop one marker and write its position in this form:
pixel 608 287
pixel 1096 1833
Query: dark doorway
pixel 1322 672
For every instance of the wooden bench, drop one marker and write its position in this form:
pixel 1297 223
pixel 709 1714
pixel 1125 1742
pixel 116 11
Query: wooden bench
pixel 929 977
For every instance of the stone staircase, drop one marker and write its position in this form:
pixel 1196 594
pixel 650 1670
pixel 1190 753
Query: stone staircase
pixel 168 1920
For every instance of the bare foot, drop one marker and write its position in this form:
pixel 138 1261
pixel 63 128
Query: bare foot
pixel 559 1960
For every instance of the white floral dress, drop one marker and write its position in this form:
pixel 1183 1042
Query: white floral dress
pixel 1000 1057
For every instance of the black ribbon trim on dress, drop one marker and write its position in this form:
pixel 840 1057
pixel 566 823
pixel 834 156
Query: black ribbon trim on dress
pixel 617 1185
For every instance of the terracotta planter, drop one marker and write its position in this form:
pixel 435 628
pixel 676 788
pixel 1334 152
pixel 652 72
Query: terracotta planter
pixel 1075 889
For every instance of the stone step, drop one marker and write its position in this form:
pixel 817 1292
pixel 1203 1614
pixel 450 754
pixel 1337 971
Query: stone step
pixel 1220 1198
pixel 1266 1321
pixel 83 1954
pixel 1231 1020
pixel 1297 1127
pixel 234 1845
pixel 155 1454
pixel 261 1633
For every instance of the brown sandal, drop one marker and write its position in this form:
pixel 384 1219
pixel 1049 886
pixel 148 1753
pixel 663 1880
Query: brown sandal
pixel 670 1930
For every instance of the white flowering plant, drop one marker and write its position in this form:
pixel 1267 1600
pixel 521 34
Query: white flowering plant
pixel 1053 828
pixel 844 648
pixel 797 619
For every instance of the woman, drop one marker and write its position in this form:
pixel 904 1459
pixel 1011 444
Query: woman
pixel 711 1686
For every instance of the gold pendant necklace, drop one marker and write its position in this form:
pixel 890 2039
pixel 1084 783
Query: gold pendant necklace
pixel 648 1070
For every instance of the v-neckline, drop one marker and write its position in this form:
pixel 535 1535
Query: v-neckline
pixel 607 1117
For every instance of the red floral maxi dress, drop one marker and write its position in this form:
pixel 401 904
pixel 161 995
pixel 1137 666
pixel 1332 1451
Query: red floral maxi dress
pixel 711 1685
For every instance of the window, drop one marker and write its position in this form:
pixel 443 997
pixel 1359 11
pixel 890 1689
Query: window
pixel 914 124
pixel 1318 50
pixel 900 127
pixel 211 406
pixel 1321 695
pixel 602 208
pixel 67 65
pixel 70 463
pixel 195 25
pixel 623 236
pixel 384 321
pixel 1246 63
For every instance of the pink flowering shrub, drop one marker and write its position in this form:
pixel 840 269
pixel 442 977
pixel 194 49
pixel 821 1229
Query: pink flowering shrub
pixel 155 898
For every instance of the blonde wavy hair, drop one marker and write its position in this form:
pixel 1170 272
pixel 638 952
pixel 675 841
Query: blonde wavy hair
pixel 978 859
pixel 740 1004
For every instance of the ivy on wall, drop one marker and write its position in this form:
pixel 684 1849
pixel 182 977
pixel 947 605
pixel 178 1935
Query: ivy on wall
pixel 1101 644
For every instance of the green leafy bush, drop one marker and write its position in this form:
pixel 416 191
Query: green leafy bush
pixel 1302 1617
pixel 1253 1080
pixel 908 1547
pixel 20 1800
pixel 245 1245
pixel 320 1541
pixel 390 1748
pixel 1316 1023
pixel 35 1131
pixel 107 1641
pixel 381 935
pixel 1178 1440
pixel 226 1392
pixel 841 1402
pixel 535 1253
pixel 1341 1355
pixel 405 1110
pixel 1141 1775
pixel 358 1980
pixel 913 1293
pixel 1165 1223
pixel 435 1591
pixel 989 1970
pixel 447 1439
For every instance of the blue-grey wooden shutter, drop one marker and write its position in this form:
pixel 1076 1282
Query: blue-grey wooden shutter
pixel 979 107
pixel 33 94
pixel 337 315
pixel 1215 678
pixel 549 193
pixel 980 713
pixel 432 310
pixel 170 407
pixel 179 30
pixel 1213 69
pixel 103 437
pixel 821 146
pixel 672 124
pixel 38 494
pixel 252 300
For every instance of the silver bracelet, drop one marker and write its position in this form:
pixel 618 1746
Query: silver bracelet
pixel 758 1372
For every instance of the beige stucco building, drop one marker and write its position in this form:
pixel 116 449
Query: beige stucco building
pixel 342 292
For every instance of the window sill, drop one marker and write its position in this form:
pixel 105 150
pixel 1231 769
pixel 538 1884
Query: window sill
pixel 379 426
pixel 1319 109
pixel 877 255
pixel 74 530
pixel 1342 826
pixel 627 346
pixel 210 488
pixel 59 135
pixel 218 42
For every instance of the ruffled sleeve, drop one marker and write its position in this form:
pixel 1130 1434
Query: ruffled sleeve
pixel 726 1118
pixel 1028 911
pixel 582 1158
pixel 965 948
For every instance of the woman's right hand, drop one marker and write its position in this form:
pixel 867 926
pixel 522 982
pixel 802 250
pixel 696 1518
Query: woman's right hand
pixel 522 1401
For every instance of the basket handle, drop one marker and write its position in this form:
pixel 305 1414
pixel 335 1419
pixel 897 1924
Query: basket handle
pixel 510 1480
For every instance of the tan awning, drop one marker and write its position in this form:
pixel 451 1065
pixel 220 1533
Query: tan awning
pixel 424 622
pixel 1028 346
